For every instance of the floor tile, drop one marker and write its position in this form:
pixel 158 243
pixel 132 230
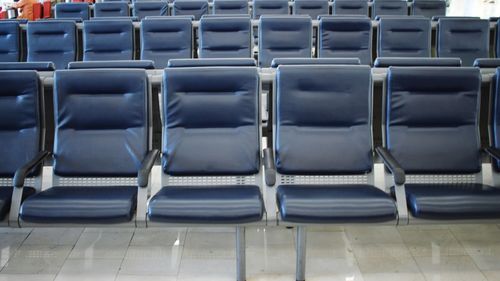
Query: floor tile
pixel 37 259
pixel 27 277
pixel 207 269
pixel 431 242
pixel 373 234
pixel 98 245
pixel 453 268
pixel 89 269
pixel 152 260
pixel 124 277
pixel 214 245
pixel 159 237
pixel 53 236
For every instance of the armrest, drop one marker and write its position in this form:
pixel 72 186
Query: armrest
pixel 22 172
pixel 146 166
pixel 269 170
pixel 392 164
pixel 493 152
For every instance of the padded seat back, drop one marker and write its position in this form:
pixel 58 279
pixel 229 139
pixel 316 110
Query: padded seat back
pixel 108 40
pixel 53 41
pixel 113 140
pixel 166 38
pixel 284 37
pixel 196 8
pixel 346 37
pixel 467 39
pixel 312 8
pixel 9 41
pixel 350 7
pixel 428 8
pixel 20 119
pixel 389 8
pixel 111 9
pixel 225 37
pixel 432 118
pixel 497 44
pixel 269 7
pixel 211 121
pixel 232 7
pixel 72 11
pixel 323 119
pixel 495 115
pixel 404 37
pixel 148 8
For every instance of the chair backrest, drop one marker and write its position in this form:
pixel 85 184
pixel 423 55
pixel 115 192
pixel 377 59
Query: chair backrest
pixel 269 7
pixel 389 8
pixel 148 8
pixel 495 116
pixel 467 39
pixel 72 11
pixel 232 7
pixel 497 44
pixel 225 37
pixel 317 61
pixel 9 41
pixel 111 9
pixel 323 119
pixel 284 37
pixel 432 117
pixel 211 121
pixel 53 41
pixel 350 7
pixel 108 40
pixel 20 119
pixel 346 37
pixel 166 38
pixel 113 140
pixel 428 8
pixel 312 8
pixel 211 62
pixel 404 37
pixel 196 8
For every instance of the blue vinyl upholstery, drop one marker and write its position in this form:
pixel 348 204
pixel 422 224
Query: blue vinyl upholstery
pixel 148 8
pixel 346 37
pixel 53 41
pixel 142 64
pixel 467 39
pixel 225 37
pixel 497 40
pixel 210 62
pixel 232 7
pixel 284 37
pixel 301 61
pixel 487 63
pixel 111 9
pixel 495 113
pixel 38 66
pixel 386 62
pixel 428 8
pixel 312 8
pixel 269 7
pixel 389 8
pixel 166 38
pixel 108 40
pixel 196 8
pixel 404 37
pixel 9 41
pixel 72 11
pixel 350 7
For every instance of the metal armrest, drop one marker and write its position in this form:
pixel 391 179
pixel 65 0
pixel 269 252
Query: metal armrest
pixel 392 164
pixel 493 152
pixel 22 172
pixel 269 169
pixel 146 166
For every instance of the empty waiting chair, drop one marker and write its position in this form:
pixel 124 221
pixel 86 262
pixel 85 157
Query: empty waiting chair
pixel 225 37
pixel 350 7
pixel 346 37
pixel 196 8
pixel 467 39
pixel 111 9
pixel 163 39
pixel 428 8
pixel 270 7
pixel 389 8
pixel 108 40
pixel 9 41
pixel 404 37
pixel 232 7
pixel 312 8
pixel 284 37
pixel 21 137
pixel 148 8
pixel 53 41
pixel 101 160
pixel 79 11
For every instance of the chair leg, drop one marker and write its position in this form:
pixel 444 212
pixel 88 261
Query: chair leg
pixel 300 274
pixel 240 254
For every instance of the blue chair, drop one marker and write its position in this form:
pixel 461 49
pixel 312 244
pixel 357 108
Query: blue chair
pixel 21 136
pixel 141 64
pixel 148 8
pixel 163 39
pixel 346 37
pixel 111 9
pixel 10 41
pixel 320 61
pixel 211 151
pixel 269 7
pixel 312 8
pixel 225 37
pixel 75 11
pixel 196 8
pixel 387 62
pixel 108 40
pixel 428 8
pixel 404 37
pixel 497 40
pixel 232 7
pixel 53 41
pixel 38 66
pixel 101 160
pixel 211 62
pixel 323 150
pixel 284 37
pixel 467 39
pixel 494 129
pixel 389 8
pixel 350 7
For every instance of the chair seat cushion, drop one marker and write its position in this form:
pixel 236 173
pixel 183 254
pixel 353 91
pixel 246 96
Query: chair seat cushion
pixel 6 198
pixel 207 204
pixel 355 203
pixel 453 201
pixel 68 204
